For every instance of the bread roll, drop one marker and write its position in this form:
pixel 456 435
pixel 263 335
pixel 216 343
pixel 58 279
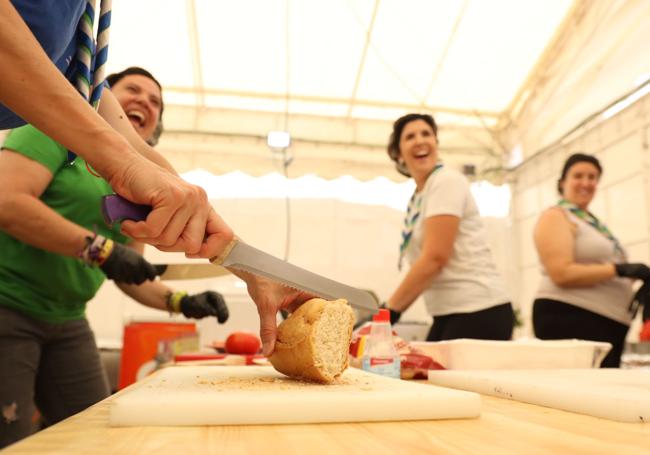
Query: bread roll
pixel 313 342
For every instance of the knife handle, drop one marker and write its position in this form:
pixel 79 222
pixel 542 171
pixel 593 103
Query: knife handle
pixel 218 260
pixel 115 208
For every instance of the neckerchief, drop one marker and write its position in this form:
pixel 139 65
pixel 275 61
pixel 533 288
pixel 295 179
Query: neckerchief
pixel 412 215
pixel 91 56
pixel 589 218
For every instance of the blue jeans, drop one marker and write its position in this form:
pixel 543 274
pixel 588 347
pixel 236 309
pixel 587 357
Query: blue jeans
pixel 53 366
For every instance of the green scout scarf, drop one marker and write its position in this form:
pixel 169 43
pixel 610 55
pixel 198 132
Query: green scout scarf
pixel 589 218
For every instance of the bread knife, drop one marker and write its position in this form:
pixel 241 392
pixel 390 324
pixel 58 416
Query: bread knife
pixel 241 256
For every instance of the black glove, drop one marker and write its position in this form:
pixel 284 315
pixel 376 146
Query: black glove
pixel 125 265
pixel 633 270
pixel 641 298
pixel 394 315
pixel 207 303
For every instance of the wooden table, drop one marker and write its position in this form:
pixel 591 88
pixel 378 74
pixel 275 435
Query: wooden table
pixel 504 427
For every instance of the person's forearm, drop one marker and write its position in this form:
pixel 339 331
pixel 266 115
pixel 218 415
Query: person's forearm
pixel 418 278
pixel 35 89
pixel 111 110
pixel 150 293
pixel 31 221
pixel 582 275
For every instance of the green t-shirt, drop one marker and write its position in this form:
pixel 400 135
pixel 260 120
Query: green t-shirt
pixel 44 285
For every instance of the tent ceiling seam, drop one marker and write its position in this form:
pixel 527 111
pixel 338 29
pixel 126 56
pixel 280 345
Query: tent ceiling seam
pixel 197 67
pixel 443 57
pixel 287 64
pixel 388 66
pixel 362 62
pixel 470 150
pixel 328 100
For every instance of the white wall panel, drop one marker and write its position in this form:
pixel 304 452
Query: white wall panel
pixel 634 118
pixel 557 157
pixel 529 280
pixel 621 160
pixel 599 205
pixel 591 142
pixel 627 216
pixel 106 312
pixel 610 131
pixel 548 194
pixel 504 254
pixel 638 252
pixel 313 225
pixel 526 246
pixel 527 202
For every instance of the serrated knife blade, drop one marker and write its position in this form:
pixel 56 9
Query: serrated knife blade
pixel 244 257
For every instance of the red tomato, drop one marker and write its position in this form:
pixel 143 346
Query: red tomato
pixel 645 331
pixel 242 343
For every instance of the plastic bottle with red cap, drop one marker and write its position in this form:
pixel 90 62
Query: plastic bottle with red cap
pixel 380 355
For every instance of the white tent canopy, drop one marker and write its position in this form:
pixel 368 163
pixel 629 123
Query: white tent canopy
pixel 336 73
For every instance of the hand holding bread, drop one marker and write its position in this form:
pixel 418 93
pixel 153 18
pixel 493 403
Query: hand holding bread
pixel 271 297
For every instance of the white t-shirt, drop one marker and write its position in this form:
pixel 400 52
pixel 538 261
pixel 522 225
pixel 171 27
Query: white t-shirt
pixel 470 281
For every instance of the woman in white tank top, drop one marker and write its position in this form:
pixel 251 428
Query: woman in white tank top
pixel 586 286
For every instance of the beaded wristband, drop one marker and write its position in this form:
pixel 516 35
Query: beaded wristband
pixel 97 250
pixel 174 301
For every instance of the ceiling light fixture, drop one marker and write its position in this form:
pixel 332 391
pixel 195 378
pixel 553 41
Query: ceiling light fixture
pixel 278 140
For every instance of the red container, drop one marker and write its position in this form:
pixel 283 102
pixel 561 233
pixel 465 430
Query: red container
pixel 140 346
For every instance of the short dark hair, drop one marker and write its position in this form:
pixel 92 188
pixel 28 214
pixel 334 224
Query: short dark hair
pixel 574 159
pixel 398 127
pixel 114 78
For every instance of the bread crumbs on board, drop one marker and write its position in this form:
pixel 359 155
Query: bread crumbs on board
pixel 275 383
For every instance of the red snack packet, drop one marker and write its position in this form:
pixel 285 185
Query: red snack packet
pixel 416 366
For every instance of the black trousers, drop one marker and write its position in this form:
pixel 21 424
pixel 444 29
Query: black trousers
pixel 555 320
pixel 56 366
pixel 494 323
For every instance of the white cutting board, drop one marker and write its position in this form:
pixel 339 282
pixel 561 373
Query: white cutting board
pixel 610 393
pixel 234 395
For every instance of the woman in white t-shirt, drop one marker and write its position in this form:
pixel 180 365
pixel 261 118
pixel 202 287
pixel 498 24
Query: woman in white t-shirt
pixel 585 290
pixel 444 242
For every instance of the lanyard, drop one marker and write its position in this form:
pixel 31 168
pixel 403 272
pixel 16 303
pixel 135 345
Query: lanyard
pixel 91 58
pixel 590 219
pixel 412 215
